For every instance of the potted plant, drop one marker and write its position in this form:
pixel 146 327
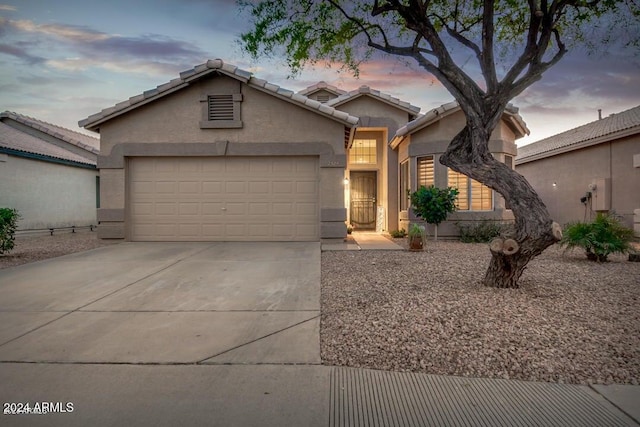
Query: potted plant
pixel 417 237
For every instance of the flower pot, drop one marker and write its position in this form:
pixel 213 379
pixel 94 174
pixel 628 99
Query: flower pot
pixel 416 243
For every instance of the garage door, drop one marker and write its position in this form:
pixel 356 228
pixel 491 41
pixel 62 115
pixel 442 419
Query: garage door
pixel 223 199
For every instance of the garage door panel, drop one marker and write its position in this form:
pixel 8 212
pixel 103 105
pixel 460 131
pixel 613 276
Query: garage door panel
pixel 162 209
pixel 166 187
pixel 258 187
pixel 282 187
pixel 223 199
pixel 236 187
pixel 308 187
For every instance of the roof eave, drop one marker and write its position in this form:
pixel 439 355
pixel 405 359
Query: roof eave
pixel 95 125
pixel 338 101
pixel 579 145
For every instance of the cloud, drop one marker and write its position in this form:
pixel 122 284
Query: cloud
pixel 20 53
pixel 148 53
pixel 69 32
pixel 8 8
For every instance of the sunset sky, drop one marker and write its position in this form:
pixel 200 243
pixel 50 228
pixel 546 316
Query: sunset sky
pixel 61 61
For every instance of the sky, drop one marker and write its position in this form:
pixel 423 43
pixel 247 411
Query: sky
pixel 63 60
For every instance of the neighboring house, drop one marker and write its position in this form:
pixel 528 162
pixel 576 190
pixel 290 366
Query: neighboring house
pixel 218 154
pixel 48 173
pixel 592 168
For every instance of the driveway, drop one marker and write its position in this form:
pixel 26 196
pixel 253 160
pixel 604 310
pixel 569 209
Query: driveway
pixel 166 303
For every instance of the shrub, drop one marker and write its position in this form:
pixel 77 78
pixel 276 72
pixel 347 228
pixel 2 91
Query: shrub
pixel 482 231
pixel 398 233
pixel 434 204
pixel 8 223
pixel 603 236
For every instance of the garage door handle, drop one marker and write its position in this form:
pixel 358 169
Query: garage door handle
pixel 224 209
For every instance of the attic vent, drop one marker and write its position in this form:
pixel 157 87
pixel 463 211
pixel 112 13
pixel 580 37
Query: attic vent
pixel 322 98
pixel 220 107
pixel 221 110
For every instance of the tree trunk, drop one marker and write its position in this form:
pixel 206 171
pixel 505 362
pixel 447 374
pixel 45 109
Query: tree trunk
pixel 534 231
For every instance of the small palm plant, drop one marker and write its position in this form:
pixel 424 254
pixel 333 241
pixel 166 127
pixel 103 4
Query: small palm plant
pixel 604 236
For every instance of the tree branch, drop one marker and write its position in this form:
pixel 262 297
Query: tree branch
pixel 487 60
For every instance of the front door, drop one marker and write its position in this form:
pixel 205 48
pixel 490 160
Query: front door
pixel 363 200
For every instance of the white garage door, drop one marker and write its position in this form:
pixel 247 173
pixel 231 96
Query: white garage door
pixel 223 199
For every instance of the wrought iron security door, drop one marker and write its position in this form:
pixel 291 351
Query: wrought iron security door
pixel 363 200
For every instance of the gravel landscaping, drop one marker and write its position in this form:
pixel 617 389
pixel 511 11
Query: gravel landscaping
pixel 572 321
pixel 31 248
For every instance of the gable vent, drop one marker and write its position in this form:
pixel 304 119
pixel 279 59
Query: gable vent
pixel 220 107
pixel 322 98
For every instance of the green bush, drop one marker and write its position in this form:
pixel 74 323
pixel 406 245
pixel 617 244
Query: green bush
pixel 482 231
pixel 8 223
pixel 605 235
pixel 398 233
pixel 433 204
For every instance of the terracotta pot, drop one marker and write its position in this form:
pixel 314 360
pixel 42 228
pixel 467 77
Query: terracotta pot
pixel 416 243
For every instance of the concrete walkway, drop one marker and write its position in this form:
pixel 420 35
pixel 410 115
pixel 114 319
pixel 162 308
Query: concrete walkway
pixel 228 335
pixel 363 240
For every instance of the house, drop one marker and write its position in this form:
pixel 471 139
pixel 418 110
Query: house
pixel 218 154
pixel 48 173
pixel 421 142
pixel 592 168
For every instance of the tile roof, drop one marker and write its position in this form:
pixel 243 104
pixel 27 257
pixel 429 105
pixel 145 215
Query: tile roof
pixel 590 134
pixel 322 86
pixel 447 109
pixel 367 91
pixel 78 139
pixel 17 140
pixel 215 66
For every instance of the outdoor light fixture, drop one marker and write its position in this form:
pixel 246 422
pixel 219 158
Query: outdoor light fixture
pixel 345 181
pixel 555 185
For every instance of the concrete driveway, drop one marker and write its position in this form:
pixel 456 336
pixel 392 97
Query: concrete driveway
pixel 165 303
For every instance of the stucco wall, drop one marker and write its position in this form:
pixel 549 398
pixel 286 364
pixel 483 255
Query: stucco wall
pixel 47 194
pixel 176 117
pixel 434 140
pixel 572 173
pixel 170 126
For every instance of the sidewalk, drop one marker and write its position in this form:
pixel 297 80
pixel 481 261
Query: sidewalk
pixel 299 395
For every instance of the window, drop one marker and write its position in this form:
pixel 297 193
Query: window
pixel 221 110
pixel 363 151
pixel 404 185
pixel 425 171
pixel 472 195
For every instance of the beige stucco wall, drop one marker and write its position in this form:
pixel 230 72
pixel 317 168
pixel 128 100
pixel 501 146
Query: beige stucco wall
pixel 574 171
pixel 176 117
pixel 47 194
pixel 434 140
pixel 171 126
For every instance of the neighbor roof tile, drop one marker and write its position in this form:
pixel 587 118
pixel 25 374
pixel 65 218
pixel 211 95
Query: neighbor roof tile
pixel 577 137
